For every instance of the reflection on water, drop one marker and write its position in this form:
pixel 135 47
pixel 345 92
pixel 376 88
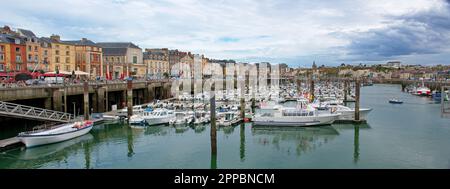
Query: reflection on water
pixel 304 138
pixel 356 145
pixel 37 156
pixel 242 142
pixel 130 142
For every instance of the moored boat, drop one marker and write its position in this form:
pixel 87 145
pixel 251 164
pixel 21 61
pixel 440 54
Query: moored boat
pixel 55 134
pixel 295 117
pixel 395 101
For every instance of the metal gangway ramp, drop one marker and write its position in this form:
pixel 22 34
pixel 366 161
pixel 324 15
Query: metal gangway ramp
pixel 28 112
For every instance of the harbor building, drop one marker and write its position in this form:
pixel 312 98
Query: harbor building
pixel 62 54
pixel 157 62
pixel 122 59
pixel 88 57
pixel 12 53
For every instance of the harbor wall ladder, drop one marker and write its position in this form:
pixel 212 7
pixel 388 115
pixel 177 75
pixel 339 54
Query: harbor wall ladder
pixel 8 109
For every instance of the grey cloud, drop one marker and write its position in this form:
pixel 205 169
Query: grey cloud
pixel 415 33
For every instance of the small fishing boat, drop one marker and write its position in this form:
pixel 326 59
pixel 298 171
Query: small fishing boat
pixel 395 101
pixel 55 134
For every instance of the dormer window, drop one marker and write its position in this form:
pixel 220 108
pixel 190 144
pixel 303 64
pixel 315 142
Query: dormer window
pixel 17 41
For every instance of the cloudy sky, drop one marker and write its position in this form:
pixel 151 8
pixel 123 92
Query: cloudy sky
pixel 296 32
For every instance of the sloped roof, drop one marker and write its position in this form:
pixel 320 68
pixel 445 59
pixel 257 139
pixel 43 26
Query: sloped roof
pixel 27 33
pixel 117 45
pixel 114 51
pixel 7 38
pixel 83 42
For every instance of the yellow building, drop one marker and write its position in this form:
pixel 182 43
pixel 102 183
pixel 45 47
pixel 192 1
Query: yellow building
pixel 5 57
pixel 45 54
pixel 157 62
pixel 62 54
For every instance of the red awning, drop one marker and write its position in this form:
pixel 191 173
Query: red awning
pixel 53 75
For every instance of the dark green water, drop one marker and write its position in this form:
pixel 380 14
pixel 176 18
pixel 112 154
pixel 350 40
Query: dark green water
pixel 411 135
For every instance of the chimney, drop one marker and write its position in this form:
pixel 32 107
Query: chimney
pixel 6 29
pixel 55 37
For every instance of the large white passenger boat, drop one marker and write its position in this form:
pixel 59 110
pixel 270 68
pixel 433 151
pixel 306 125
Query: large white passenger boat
pixel 295 117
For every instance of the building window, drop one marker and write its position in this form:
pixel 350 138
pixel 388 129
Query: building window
pixel 36 58
pixel 56 59
pixel 2 48
pixel 32 40
pixel 2 67
pixel 57 52
pixel 29 48
pixel 18 49
pixel 2 57
pixel 45 52
pixel 29 57
pixel 18 67
pixel 35 48
pixel 67 52
pixel 134 59
pixel 18 58
pixel 56 68
pixel 57 46
pixel 67 60
pixel 68 68
pixel 67 47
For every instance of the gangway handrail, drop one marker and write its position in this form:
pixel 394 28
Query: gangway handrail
pixel 29 112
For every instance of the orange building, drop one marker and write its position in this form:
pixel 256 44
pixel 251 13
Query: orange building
pixel 88 57
pixel 33 49
pixel 12 53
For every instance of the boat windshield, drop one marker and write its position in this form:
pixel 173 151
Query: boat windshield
pixel 297 113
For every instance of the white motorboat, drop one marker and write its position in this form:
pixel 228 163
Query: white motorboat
pixel 158 116
pixel 136 110
pixel 228 118
pixel 347 113
pixel 137 119
pixel 181 118
pixel 295 117
pixel 55 134
pixel 107 117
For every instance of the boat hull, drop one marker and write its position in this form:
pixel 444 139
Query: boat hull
pixel 350 114
pixel 301 121
pixel 158 121
pixel 38 140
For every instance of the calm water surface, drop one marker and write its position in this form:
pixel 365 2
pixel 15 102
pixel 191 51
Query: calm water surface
pixel 411 135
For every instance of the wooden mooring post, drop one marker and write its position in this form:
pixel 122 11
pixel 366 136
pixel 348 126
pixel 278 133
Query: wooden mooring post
pixel 213 134
pixel 129 99
pixel 357 99
pixel 86 99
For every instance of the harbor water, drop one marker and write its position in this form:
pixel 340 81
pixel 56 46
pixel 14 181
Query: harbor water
pixel 408 135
